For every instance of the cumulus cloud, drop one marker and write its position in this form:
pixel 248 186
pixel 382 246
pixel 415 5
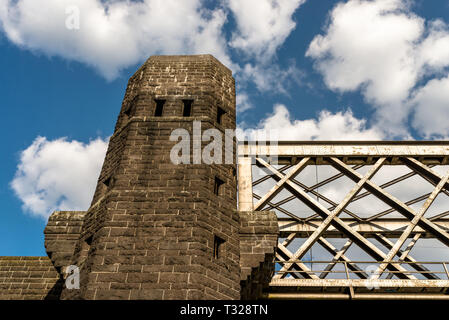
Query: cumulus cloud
pixel 116 34
pixel 271 77
pixel 58 175
pixel 262 25
pixel 383 49
pixel 328 126
pixel 431 109
pixel 243 102
pixel 434 50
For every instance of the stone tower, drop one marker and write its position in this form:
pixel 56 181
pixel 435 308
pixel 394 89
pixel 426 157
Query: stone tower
pixel 156 229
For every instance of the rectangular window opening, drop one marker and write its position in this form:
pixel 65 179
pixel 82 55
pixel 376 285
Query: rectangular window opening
pixel 220 114
pixel 218 186
pixel 218 247
pixel 85 248
pixel 159 107
pixel 109 182
pixel 129 112
pixel 187 112
pixel 87 244
pixel 88 241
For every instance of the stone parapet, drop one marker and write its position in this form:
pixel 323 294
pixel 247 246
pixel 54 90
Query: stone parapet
pixel 61 235
pixel 259 233
pixel 28 278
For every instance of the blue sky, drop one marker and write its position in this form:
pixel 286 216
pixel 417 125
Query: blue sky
pixel 317 69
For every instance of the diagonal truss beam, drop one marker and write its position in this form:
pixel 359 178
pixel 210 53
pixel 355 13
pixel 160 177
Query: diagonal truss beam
pixel 324 198
pixel 424 171
pixel 266 177
pixel 404 255
pixel 397 246
pixel 283 254
pixel 276 206
pixel 408 203
pixel 393 202
pixel 327 221
pixel 310 189
pixel 407 250
pixel 339 256
pixel 356 237
pixel 359 196
pixel 279 185
pixel 384 185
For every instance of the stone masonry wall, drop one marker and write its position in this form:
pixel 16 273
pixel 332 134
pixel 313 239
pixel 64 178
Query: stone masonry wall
pixel 61 235
pixel 28 278
pixel 259 232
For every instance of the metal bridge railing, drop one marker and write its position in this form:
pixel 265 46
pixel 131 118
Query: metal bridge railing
pixel 441 275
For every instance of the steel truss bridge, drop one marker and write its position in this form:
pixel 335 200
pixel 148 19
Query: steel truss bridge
pixel 392 197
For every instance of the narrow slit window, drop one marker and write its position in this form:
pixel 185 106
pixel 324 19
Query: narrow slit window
pixel 108 182
pixel 218 186
pixel 159 107
pixel 87 244
pixel 187 112
pixel 128 112
pixel 131 110
pixel 218 247
pixel 88 241
pixel 220 114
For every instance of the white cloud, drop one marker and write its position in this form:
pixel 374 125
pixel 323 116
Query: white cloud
pixel 328 126
pixel 383 49
pixel 434 50
pixel 271 77
pixel 431 106
pixel 116 34
pixel 58 174
pixel 243 102
pixel 262 25
pixel 368 45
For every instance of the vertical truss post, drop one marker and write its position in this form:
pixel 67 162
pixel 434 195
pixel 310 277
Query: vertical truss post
pixel 445 269
pixel 245 184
